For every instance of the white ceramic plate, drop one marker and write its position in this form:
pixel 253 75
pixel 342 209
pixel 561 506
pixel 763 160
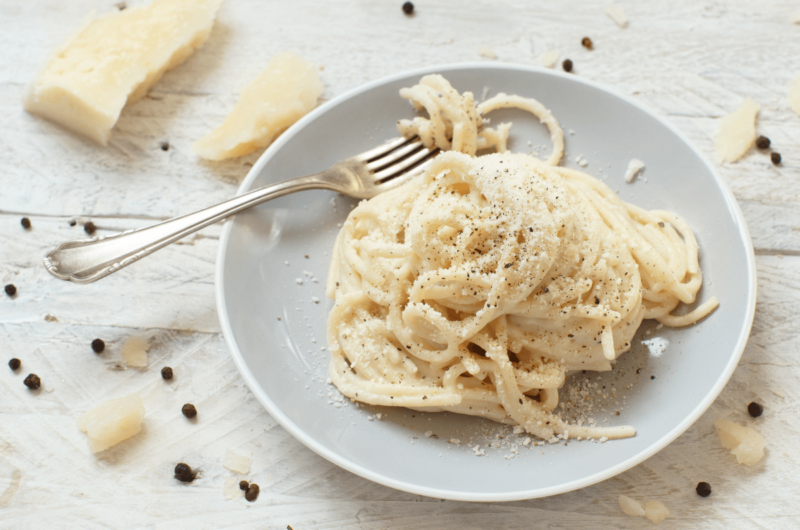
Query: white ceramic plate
pixel 262 262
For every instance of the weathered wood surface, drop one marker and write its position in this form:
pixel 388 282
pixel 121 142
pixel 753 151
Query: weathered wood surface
pixel 691 62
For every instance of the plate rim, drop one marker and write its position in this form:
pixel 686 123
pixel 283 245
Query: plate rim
pixel 348 465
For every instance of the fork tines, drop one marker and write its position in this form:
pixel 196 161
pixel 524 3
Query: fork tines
pixel 397 157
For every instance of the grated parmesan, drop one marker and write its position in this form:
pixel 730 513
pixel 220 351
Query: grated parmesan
pixel 134 351
pixel 745 443
pixel 635 166
pixel 617 14
pixel 631 507
pixel 549 58
pixel 655 511
pixel 794 91
pixel 486 51
pixel 236 463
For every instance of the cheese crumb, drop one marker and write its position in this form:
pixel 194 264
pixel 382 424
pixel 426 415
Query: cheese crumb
pixel 630 506
pixel 635 166
pixel 112 421
pixel 113 60
pixel 655 511
pixel 745 443
pixel 486 51
pixel 134 351
pixel 549 58
pixel 737 132
pixel 794 93
pixel 236 463
pixel 285 92
pixel 617 14
pixel 231 488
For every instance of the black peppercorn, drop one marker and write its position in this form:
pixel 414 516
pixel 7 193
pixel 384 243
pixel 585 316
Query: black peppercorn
pixel 10 289
pixel 165 146
pixel 189 410
pixel 14 363
pixel 243 485
pixel 252 492
pixel 89 228
pixel 408 8
pixel 184 473
pixel 25 222
pixel 762 142
pixel 567 64
pixel 755 409
pixel 587 43
pixel 73 222
pixel 703 489
pixel 166 373
pixel 776 158
pixel 32 381
pixel 98 345
pixel 652 377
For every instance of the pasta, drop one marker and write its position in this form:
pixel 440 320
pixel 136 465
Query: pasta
pixel 478 287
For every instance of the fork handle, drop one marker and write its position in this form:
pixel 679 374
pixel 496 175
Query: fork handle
pixel 88 260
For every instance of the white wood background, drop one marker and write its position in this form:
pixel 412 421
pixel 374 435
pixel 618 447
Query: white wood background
pixel 691 63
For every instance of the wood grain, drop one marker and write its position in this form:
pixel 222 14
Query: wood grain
pixel 691 62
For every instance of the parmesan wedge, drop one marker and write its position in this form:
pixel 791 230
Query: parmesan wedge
pixel 112 421
pixel 737 132
pixel 114 60
pixel 794 94
pixel 285 92
pixel 745 443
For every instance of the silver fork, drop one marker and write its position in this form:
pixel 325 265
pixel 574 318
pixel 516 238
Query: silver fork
pixel 362 176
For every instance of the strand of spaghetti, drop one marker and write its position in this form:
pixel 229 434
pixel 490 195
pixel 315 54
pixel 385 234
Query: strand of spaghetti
pixel 692 317
pixel 504 101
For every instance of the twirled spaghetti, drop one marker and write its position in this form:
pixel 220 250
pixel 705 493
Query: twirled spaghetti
pixel 478 287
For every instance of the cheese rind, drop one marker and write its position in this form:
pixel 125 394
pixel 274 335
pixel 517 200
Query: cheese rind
pixel 737 132
pixel 285 92
pixel 114 60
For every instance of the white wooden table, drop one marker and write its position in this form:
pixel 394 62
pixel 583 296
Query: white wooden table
pixel 691 64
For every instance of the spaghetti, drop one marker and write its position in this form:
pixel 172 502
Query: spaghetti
pixel 478 287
